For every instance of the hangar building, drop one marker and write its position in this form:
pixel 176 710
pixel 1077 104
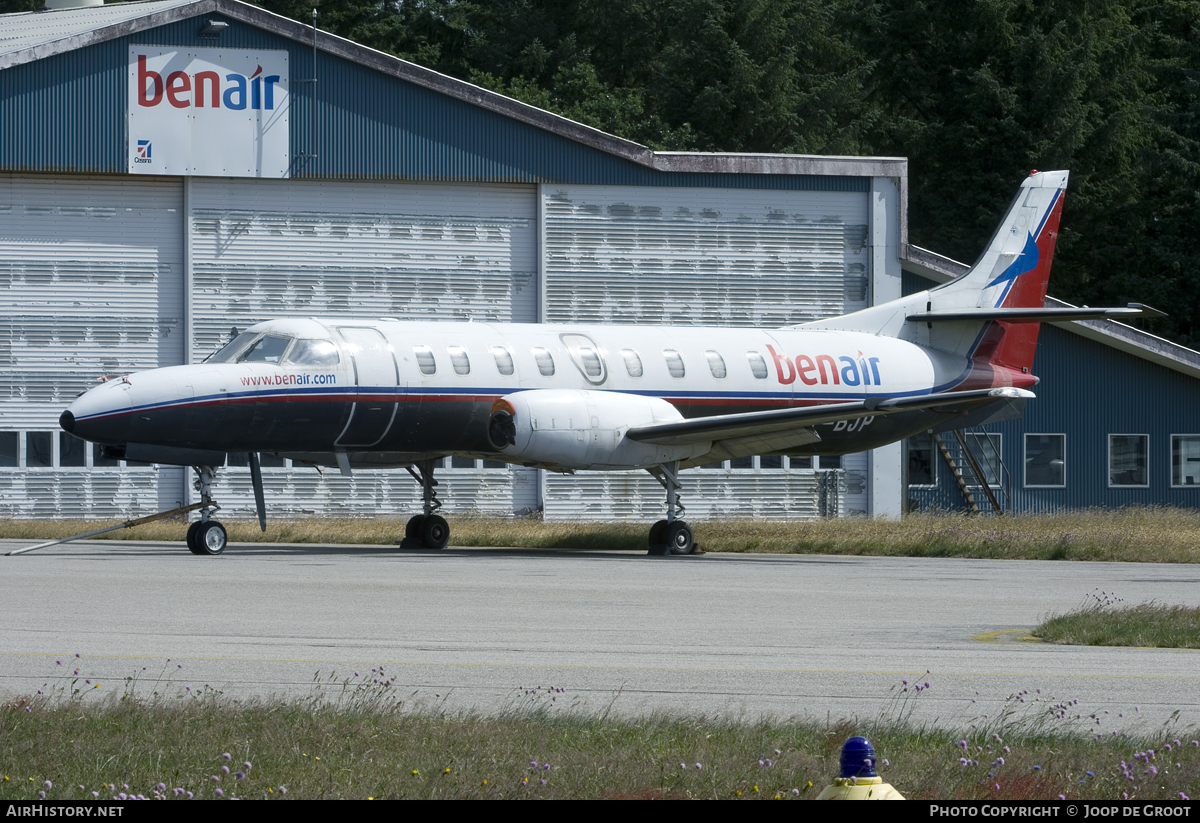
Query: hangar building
pixel 173 170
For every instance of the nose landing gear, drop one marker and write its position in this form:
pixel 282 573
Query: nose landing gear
pixel 206 536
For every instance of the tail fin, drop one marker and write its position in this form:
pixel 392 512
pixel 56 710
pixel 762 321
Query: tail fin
pixel 1012 273
pixel 1014 269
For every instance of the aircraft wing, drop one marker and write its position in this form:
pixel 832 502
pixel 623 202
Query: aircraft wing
pixel 794 425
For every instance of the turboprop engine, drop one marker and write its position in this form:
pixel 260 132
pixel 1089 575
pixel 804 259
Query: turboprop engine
pixel 572 429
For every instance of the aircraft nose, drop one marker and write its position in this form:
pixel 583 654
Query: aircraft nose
pixel 100 415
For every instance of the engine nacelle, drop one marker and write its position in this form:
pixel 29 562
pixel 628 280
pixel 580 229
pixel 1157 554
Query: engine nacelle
pixel 570 429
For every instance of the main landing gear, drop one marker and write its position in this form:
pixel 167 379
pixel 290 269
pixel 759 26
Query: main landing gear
pixel 430 529
pixel 206 536
pixel 671 536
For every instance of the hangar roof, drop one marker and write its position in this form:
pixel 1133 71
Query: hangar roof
pixel 1120 336
pixel 29 36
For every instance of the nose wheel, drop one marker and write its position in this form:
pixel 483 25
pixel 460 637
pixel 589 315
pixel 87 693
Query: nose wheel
pixel 206 536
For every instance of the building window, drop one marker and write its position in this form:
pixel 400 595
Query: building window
pixel 1046 460
pixel 1128 460
pixel 71 450
pixel 1185 460
pixel 922 465
pixel 98 458
pixel 9 449
pixel 38 450
pixel 545 362
pixel 986 450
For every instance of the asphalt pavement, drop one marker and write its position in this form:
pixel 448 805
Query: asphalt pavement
pixel 719 635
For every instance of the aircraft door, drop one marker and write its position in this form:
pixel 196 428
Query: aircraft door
pixel 378 380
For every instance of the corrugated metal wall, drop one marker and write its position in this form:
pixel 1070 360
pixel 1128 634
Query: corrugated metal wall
pixel 1087 392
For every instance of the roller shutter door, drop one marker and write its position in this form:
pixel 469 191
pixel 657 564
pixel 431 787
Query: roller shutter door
pixel 90 284
pixel 293 248
pixel 693 256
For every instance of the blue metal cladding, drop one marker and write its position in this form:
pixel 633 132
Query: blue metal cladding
pixel 1087 392
pixel 67 113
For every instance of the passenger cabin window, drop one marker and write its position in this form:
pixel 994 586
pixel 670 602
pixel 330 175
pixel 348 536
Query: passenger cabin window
pixel 313 353
pixel 716 363
pixel 425 361
pixel 545 362
pixel 633 363
pixel 758 366
pixel 591 362
pixel 674 362
pixel 458 359
pixel 504 361
pixel 269 349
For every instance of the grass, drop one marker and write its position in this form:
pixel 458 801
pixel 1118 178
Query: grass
pixel 1160 535
pixel 1104 621
pixel 356 738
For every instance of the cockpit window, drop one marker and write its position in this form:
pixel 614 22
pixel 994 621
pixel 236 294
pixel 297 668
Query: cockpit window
pixel 313 353
pixel 269 349
pixel 229 352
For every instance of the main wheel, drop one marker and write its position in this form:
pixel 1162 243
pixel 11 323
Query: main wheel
pixel 211 538
pixel 680 538
pixel 435 532
pixel 412 530
pixel 193 530
pixel 658 533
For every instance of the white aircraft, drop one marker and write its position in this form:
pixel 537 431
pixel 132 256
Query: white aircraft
pixel 390 393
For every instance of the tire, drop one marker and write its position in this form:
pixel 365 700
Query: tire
pixel 680 538
pixel 412 530
pixel 435 532
pixel 192 544
pixel 211 538
pixel 658 533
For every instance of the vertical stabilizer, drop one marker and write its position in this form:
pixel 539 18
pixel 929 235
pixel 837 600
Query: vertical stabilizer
pixel 1012 272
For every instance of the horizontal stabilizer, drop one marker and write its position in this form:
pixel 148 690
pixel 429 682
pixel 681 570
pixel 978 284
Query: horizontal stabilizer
pixel 1035 315
pixel 781 420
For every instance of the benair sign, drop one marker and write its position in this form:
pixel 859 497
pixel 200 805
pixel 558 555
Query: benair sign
pixel 212 112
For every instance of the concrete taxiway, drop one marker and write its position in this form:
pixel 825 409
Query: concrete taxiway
pixel 738 636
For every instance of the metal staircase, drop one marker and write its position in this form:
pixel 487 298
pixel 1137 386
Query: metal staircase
pixel 978 469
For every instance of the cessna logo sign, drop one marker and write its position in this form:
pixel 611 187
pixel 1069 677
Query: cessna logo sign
pixel 211 112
